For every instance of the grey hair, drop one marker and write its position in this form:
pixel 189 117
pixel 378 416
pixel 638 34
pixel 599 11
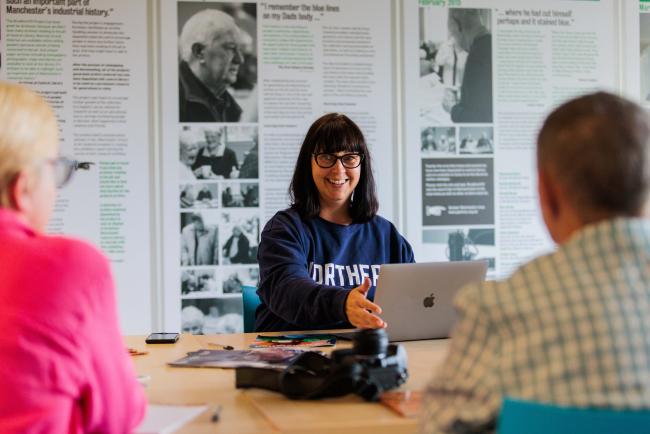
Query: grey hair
pixel 214 129
pixel 185 139
pixel 203 27
pixel 597 147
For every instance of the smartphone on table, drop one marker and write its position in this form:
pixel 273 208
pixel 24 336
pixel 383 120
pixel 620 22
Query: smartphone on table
pixel 162 338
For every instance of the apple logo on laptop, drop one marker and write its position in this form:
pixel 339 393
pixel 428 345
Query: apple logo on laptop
pixel 429 301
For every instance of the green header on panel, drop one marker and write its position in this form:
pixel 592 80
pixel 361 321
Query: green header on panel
pixel 441 2
pixel 644 5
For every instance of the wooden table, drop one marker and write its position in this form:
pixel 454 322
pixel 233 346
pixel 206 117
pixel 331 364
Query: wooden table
pixel 261 411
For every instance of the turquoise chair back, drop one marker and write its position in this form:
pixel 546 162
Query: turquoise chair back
pixel 525 417
pixel 251 301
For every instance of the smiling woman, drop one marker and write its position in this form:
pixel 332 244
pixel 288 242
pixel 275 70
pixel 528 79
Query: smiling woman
pixel 321 186
pixel 319 259
pixel 336 182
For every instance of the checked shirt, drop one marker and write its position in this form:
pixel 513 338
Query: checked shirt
pixel 570 328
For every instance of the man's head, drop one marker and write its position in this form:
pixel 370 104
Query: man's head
pixel 210 44
pixel 464 26
pixel 593 157
pixel 188 148
pixel 213 138
pixel 192 320
pixel 214 311
pixel 204 279
pixel 197 221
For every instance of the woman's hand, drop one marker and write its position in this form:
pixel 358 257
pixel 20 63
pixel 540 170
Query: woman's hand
pixel 361 312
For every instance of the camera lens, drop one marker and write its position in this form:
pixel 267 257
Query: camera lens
pixel 370 342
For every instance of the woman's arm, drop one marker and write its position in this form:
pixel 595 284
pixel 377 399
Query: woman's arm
pixel 404 252
pixel 113 401
pixel 285 285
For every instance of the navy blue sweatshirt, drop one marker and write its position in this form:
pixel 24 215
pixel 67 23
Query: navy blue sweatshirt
pixel 307 268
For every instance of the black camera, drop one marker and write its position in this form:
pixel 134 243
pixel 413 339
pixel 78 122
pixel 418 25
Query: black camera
pixel 369 368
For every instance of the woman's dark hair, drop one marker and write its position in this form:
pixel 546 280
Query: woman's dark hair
pixel 331 133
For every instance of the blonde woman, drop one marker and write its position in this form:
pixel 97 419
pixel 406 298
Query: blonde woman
pixel 63 366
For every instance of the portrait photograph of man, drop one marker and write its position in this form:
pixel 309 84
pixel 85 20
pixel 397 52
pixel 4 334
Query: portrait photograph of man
pixel 217 74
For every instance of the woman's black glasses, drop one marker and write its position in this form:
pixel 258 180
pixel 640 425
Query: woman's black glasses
pixel 349 161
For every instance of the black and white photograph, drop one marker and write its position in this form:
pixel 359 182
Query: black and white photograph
pixel 217 65
pixel 218 152
pixel 240 234
pixel 204 316
pixel 438 141
pixel 205 195
pixel 476 140
pixel 455 55
pixel 644 46
pixel 461 244
pixel 199 238
pixel 188 146
pixel 240 195
pixel 243 140
pixel 200 283
pixel 236 277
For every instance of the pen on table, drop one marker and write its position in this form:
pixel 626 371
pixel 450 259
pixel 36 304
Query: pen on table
pixel 135 352
pixel 225 347
pixel 217 414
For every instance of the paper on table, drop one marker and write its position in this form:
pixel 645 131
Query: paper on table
pixel 164 419
pixel 406 403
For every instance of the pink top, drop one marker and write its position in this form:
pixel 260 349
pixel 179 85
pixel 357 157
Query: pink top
pixel 63 365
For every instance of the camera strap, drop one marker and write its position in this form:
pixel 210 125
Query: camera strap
pixel 310 376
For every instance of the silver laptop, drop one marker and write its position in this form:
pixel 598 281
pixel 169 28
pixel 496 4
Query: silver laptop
pixel 417 299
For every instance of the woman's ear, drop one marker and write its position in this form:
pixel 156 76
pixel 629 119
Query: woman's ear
pixel 20 192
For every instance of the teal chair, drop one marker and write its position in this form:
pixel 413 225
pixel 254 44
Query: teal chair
pixel 525 417
pixel 251 301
